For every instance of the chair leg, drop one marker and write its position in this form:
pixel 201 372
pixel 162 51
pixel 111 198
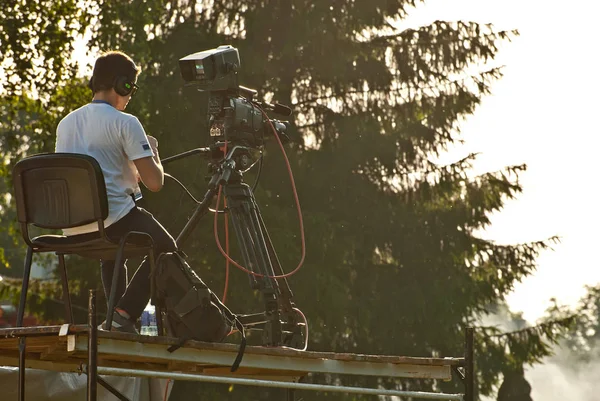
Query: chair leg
pixel 65 287
pixel 113 287
pixel 24 287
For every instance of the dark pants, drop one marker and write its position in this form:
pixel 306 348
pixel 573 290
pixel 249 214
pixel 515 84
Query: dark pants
pixel 135 296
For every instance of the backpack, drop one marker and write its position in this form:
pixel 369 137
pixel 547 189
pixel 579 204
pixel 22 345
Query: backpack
pixel 193 311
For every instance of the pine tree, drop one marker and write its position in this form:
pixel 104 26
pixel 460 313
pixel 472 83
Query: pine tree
pixel 393 265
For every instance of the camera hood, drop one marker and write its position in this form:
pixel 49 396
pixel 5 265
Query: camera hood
pixel 212 70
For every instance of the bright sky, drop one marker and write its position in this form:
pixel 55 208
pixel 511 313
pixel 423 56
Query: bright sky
pixel 542 113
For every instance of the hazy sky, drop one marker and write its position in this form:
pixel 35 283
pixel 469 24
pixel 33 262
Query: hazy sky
pixel 542 113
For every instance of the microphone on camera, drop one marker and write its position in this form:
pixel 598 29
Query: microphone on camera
pixel 281 109
pixel 277 108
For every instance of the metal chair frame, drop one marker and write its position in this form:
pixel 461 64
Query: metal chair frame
pixel 64 190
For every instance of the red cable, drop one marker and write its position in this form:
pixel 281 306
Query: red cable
pixel 226 239
pixel 226 250
pixel 297 201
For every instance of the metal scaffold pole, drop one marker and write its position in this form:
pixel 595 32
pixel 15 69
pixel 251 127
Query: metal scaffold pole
pixel 277 384
pixel 469 365
pixel 92 373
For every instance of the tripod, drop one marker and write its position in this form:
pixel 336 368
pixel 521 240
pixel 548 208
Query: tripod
pixel 279 322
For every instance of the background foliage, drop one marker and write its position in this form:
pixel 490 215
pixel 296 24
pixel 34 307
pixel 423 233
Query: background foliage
pixel 393 265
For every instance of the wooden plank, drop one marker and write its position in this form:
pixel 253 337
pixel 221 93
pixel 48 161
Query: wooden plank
pixel 37 331
pixel 112 353
pixel 61 349
pixel 11 343
pixel 73 365
pixel 283 351
pixel 156 352
pixel 44 343
pixel 60 366
pixel 176 366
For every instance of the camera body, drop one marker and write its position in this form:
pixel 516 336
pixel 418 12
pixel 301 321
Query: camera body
pixel 233 114
pixel 235 118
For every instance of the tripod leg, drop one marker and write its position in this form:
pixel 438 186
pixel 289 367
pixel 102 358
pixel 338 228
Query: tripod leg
pixel 286 292
pixel 198 213
pixel 247 250
pixel 251 241
pixel 248 228
pixel 254 228
pixel 285 300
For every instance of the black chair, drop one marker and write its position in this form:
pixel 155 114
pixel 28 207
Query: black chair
pixel 64 190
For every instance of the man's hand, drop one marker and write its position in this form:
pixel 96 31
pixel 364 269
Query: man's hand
pixel 153 142
pixel 149 168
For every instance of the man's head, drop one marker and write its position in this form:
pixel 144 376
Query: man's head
pixel 115 75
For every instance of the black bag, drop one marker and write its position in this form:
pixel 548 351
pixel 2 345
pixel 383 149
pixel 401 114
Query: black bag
pixel 193 311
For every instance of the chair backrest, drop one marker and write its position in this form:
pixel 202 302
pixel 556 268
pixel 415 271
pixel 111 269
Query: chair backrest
pixel 60 190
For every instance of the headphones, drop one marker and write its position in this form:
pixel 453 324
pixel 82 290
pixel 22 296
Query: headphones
pixel 122 85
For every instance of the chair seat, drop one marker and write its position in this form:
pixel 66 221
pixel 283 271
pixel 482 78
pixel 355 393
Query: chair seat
pixel 91 245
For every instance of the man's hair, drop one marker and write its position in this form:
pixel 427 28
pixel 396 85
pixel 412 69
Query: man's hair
pixel 109 66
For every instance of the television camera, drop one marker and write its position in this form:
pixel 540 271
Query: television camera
pixel 238 125
pixel 233 113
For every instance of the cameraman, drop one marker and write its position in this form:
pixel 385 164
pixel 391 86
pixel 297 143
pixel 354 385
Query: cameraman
pixel 126 155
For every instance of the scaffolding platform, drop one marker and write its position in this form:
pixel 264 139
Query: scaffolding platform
pixel 49 349
pixel 66 349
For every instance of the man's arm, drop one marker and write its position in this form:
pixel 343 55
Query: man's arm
pixel 150 169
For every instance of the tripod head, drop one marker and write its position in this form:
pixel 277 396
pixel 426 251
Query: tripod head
pixel 221 166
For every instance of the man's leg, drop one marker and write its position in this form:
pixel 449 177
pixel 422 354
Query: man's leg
pixel 108 269
pixel 137 294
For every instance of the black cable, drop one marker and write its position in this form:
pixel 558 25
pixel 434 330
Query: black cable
pixel 260 164
pixel 260 160
pixel 189 193
pixel 182 186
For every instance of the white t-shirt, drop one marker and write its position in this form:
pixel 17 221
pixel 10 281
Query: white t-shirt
pixel 114 139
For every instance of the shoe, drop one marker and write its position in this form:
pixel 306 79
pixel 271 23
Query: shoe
pixel 120 324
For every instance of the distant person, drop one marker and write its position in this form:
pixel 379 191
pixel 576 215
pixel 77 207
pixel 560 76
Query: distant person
pixel 126 155
pixel 515 387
